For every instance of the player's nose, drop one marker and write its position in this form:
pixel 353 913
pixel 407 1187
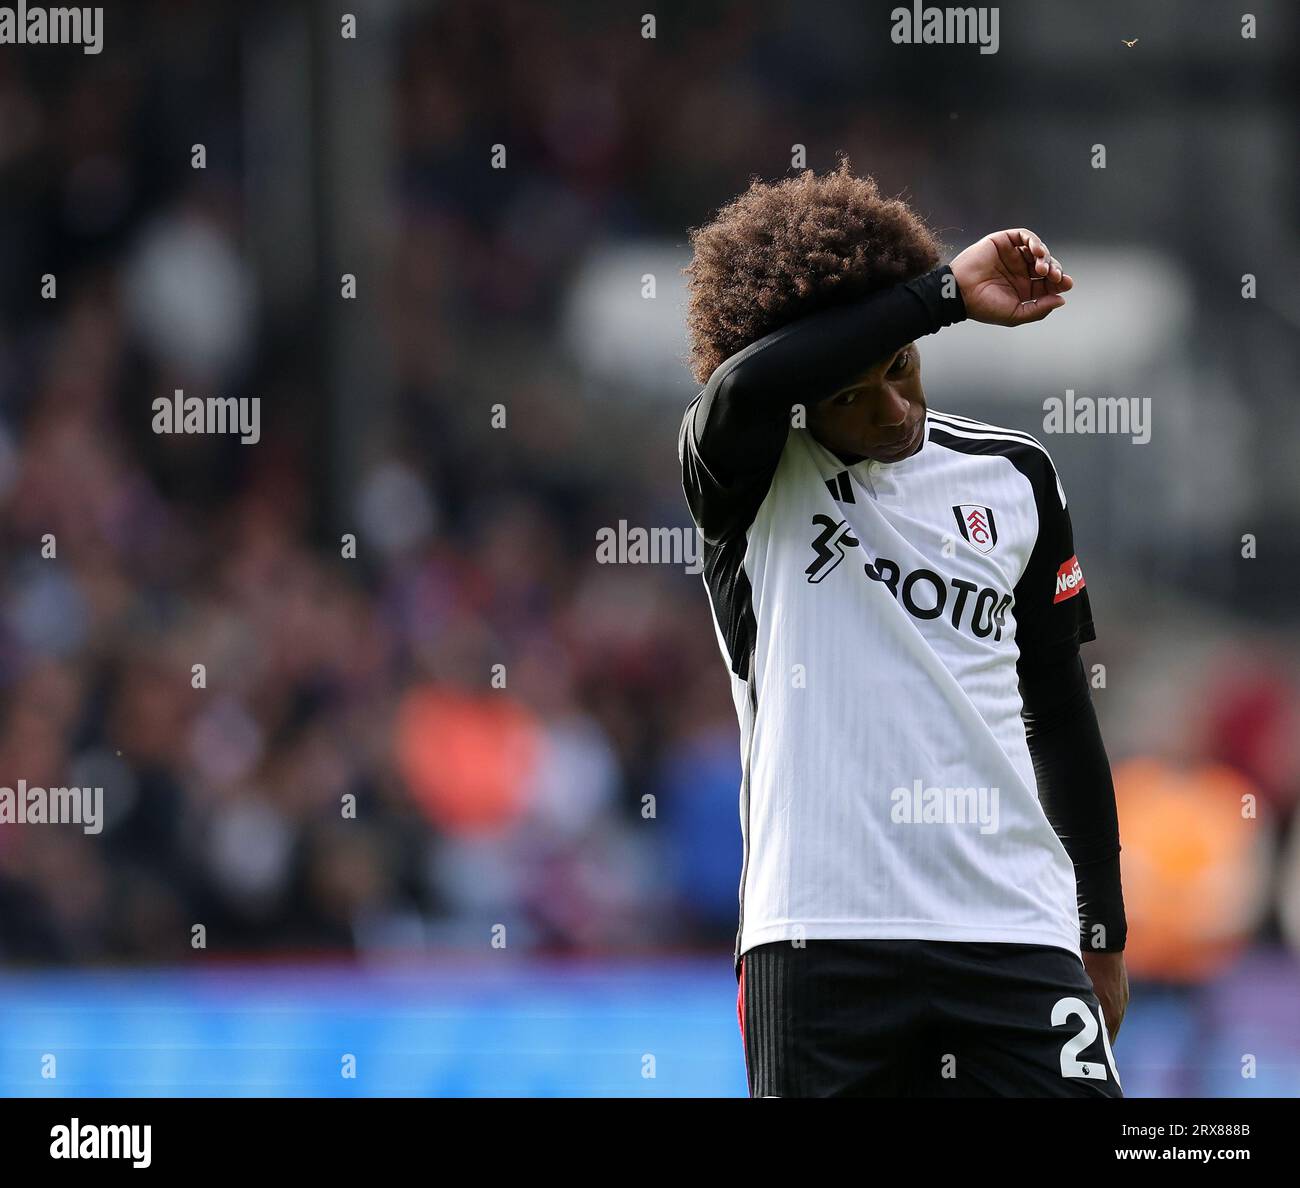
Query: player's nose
pixel 891 410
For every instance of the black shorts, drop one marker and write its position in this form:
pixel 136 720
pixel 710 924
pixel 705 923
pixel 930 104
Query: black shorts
pixel 911 1018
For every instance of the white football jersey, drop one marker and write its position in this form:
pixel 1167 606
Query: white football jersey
pixel 873 617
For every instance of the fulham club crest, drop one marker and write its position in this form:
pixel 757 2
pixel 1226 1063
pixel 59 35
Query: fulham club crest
pixel 977 525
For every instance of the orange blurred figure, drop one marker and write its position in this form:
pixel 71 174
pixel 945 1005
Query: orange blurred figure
pixel 1195 857
pixel 468 759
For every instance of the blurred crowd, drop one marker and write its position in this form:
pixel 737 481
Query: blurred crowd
pixel 467 731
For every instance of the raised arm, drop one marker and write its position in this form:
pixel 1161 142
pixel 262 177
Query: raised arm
pixel 741 419
pixel 734 432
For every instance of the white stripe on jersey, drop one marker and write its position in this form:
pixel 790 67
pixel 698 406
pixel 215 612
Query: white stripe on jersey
pixel 965 427
pixel 952 421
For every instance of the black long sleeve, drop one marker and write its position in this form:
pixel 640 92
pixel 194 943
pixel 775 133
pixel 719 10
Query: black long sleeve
pixel 1077 793
pixel 734 431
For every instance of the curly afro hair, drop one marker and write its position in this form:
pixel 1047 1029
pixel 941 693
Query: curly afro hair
pixel 785 249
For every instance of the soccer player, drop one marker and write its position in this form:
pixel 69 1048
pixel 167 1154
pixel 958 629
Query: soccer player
pixel 930 896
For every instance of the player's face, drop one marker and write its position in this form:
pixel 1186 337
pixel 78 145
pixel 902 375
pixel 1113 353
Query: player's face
pixel 881 415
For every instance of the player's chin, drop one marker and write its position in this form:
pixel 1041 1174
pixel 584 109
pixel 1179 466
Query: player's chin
pixel 895 449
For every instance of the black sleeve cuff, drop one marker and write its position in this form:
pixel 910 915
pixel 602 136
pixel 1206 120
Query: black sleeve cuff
pixel 1103 927
pixel 943 310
